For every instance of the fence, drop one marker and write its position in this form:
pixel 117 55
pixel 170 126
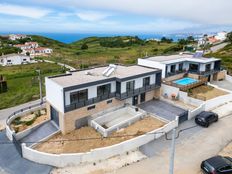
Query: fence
pixel 19 113
pixel 216 102
pixel 62 160
pixel 196 111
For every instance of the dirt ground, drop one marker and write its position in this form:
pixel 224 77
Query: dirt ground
pixel 205 92
pixel 22 127
pixel 227 151
pixel 73 142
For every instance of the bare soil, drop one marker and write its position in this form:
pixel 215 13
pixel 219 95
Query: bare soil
pixel 227 151
pixel 205 92
pixel 87 138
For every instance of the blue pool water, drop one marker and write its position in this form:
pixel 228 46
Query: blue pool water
pixel 185 81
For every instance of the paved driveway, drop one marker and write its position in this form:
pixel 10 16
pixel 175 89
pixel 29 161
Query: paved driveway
pixel 12 163
pixel 223 84
pixel 193 146
pixel 40 133
pixel 162 109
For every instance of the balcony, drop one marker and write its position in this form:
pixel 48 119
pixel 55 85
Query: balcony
pixel 205 73
pixel 91 101
pixel 118 96
pixel 134 92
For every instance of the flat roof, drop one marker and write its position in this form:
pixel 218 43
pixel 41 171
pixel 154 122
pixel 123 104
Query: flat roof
pixel 180 58
pixel 96 74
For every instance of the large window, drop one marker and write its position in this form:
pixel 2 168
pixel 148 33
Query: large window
pixel 146 81
pixel 79 96
pixel 193 67
pixel 173 68
pixel 181 67
pixel 103 90
pixel 130 86
pixel 208 67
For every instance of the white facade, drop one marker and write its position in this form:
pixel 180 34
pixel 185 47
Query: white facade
pixel 171 64
pixel 14 59
pixel 54 95
pixel 17 36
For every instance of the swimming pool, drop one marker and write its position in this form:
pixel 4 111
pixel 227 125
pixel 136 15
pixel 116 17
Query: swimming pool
pixel 185 81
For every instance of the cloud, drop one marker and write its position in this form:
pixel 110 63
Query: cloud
pixel 24 11
pixel 216 12
pixel 92 16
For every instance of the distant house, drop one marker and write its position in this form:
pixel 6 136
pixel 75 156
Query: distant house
pixel 14 59
pixel 17 36
pixel 185 63
pixel 41 51
pixel 29 51
pixel 22 46
pixel 221 36
pixel 32 44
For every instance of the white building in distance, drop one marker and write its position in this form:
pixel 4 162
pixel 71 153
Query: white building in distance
pixel 14 59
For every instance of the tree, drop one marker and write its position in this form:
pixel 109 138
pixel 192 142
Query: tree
pixel 167 40
pixel 229 37
pixel 190 39
pixel 84 46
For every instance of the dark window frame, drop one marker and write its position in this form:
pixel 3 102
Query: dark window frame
pixel 104 90
pixel 78 96
pixel 130 86
pixel 146 81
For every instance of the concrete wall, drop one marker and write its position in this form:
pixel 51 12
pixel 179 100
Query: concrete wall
pixel 174 77
pixel 68 120
pixel 54 95
pixel 183 96
pixel 196 111
pixel 216 102
pixel 228 78
pixel 153 64
pixel 219 76
pixel 62 160
pixel 168 91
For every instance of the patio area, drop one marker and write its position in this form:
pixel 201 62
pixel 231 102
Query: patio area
pixel 163 109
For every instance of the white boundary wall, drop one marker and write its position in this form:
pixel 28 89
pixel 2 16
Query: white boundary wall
pixel 196 111
pixel 216 102
pixel 10 132
pixel 229 78
pixel 62 160
pixel 183 96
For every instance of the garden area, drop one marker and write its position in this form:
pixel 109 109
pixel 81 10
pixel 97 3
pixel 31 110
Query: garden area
pixel 205 92
pixel 34 118
pixel 87 138
pixel 23 83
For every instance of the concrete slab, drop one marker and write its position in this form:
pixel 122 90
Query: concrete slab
pixel 223 84
pixel 162 109
pixel 38 134
pixel 12 163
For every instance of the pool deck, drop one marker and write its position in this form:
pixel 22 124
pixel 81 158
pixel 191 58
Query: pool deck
pixel 185 81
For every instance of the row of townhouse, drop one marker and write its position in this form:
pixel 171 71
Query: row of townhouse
pixel 17 36
pixel 33 49
pixel 73 97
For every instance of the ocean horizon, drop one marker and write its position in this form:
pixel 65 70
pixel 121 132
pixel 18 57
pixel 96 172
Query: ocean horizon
pixel 73 37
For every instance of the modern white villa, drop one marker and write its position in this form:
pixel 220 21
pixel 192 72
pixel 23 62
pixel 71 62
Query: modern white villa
pixel 14 59
pixel 185 63
pixel 73 97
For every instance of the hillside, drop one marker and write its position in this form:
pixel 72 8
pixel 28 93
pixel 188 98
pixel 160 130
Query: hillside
pixel 104 50
pixel 226 56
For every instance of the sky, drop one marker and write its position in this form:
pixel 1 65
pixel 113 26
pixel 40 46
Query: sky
pixel 115 16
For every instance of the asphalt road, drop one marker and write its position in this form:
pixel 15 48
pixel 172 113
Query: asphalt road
pixel 218 47
pixel 193 146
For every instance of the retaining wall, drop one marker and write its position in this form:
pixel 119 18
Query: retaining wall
pixel 62 160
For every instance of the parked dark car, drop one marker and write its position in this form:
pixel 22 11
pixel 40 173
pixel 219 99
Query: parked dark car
pixel 206 118
pixel 217 165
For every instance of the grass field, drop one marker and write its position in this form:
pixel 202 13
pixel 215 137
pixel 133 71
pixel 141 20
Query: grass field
pixel 226 56
pixel 22 81
pixel 73 55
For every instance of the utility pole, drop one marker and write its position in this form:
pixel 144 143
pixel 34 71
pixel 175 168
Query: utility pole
pixel 40 86
pixel 172 152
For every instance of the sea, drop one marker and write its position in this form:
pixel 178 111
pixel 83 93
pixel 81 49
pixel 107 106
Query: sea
pixel 72 37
